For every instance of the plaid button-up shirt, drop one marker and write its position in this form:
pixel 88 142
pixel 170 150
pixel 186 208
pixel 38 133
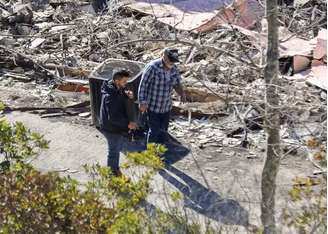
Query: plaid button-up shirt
pixel 156 86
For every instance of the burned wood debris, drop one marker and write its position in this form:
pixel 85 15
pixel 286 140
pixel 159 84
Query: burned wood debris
pixel 49 48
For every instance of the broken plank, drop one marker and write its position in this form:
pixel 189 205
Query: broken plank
pixel 82 104
pixel 52 109
pixel 36 43
pixel 18 77
pixel 52 115
pixel 31 108
pixel 72 112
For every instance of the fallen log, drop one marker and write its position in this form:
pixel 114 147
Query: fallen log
pixel 50 109
pixel 78 105
pixel 19 77
pixel 53 115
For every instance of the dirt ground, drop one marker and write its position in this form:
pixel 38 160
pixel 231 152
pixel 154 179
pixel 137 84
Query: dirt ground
pixel 219 184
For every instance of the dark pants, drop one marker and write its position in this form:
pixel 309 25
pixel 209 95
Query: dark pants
pixel 158 126
pixel 118 143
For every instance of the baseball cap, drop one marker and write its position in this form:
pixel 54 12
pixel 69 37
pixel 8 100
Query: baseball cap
pixel 172 54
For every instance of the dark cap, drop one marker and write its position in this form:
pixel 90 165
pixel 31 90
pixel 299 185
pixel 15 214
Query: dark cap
pixel 172 55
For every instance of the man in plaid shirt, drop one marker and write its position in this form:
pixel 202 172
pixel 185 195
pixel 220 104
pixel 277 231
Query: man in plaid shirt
pixel 158 80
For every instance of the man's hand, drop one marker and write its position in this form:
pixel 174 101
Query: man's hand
pixel 143 108
pixel 129 93
pixel 132 126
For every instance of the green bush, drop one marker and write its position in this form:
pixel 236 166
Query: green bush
pixel 17 143
pixel 32 202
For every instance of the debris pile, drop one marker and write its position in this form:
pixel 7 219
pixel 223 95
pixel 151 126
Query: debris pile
pixel 52 46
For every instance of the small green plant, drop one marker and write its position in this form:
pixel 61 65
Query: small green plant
pixel 312 206
pixel 17 143
pixel 309 196
pixel 176 196
pixel 2 106
pixel 148 158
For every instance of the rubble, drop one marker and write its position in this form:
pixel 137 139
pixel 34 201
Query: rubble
pixel 57 45
pixel 314 59
pixel 318 77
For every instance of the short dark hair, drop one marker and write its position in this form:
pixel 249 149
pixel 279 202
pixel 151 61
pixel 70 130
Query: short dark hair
pixel 120 73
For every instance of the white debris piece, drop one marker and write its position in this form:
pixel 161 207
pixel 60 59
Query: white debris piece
pixel 36 42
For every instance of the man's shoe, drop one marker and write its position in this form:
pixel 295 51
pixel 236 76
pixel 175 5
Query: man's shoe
pixel 119 173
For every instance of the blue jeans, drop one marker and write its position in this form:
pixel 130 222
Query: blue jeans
pixel 158 126
pixel 118 143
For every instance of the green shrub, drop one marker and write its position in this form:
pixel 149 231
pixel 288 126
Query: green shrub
pixel 17 143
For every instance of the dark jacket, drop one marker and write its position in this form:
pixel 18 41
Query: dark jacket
pixel 116 110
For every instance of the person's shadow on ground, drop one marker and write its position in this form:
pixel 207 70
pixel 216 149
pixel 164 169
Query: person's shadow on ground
pixel 205 201
pixel 196 196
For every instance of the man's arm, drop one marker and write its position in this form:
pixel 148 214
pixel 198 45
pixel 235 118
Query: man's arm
pixel 179 89
pixel 143 88
pixel 178 86
pixel 131 112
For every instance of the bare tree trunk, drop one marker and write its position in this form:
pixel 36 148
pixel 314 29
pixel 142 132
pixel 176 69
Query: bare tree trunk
pixel 271 165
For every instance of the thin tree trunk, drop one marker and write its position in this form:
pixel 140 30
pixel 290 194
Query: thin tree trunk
pixel 271 165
